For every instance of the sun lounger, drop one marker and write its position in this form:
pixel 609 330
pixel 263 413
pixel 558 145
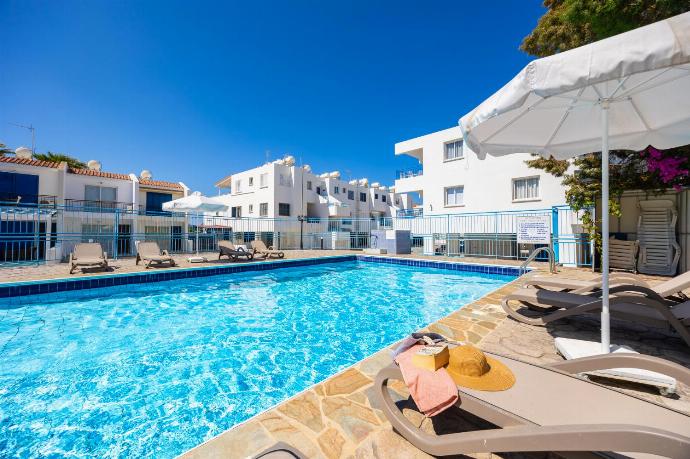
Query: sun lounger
pixel 549 409
pixel 87 254
pixel 633 303
pixel 258 247
pixel 150 253
pixel 280 451
pixel 666 289
pixel 228 249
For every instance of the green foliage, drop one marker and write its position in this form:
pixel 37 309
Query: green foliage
pixel 571 23
pixel 72 163
pixel 4 150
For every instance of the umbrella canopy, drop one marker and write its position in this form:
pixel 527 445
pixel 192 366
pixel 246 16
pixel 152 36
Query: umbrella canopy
pixel 553 106
pixel 625 92
pixel 195 203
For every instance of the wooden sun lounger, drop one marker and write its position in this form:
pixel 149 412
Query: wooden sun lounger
pixel 228 249
pixel 87 254
pixel 633 303
pixel 673 286
pixel 150 253
pixel 549 409
pixel 259 247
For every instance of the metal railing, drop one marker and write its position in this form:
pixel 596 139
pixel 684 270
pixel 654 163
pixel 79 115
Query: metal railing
pixel 39 235
pixel 403 174
pixel 85 205
pixel 27 200
pixel 416 212
pixel 549 252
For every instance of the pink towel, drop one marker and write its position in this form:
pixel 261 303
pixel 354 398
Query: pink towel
pixel 432 391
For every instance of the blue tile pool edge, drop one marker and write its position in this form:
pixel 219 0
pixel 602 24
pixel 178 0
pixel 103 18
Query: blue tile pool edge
pixel 17 289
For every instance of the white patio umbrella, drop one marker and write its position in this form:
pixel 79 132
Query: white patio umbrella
pixel 625 92
pixel 195 203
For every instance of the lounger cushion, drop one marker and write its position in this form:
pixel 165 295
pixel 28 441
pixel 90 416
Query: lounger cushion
pixel 546 397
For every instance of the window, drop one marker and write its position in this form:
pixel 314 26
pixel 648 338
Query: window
pixel 13 186
pixel 236 212
pixel 453 150
pixel 251 181
pixel 283 209
pixel 154 201
pixel 362 197
pixel 263 180
pixel 263 209
pixel 397 201
pixel 351 195
pixel 336 190
pixel 525 188
pixel 455 196
pixel 376 195
pixel 383 198
pixel 318 190
pixel 286 179
pixel 100 193
pixel 238 186
pixel 308 184
pixel 344 190
pixel 251 208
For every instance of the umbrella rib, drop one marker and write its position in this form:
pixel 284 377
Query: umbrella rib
pixel 652 78
pixel 507 125
pixel 621 83
pixel 639 115
pixel 631 93
pixel 564 116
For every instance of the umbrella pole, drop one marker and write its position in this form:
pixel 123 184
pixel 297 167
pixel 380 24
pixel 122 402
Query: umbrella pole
pixel 197 236
pixel 605 321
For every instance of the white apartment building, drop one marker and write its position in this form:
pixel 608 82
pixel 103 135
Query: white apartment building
pixel 451 179
pixel 290 206
pixel 281 189
pixel 47 207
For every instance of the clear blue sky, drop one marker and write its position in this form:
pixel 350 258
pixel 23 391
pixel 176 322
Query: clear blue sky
pixel 194 91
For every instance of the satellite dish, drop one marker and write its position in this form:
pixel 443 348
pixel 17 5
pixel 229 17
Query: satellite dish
pixel 23 153
pixel 94 165
pixel 146 175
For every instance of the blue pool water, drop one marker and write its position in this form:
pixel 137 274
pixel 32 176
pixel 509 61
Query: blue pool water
pixel 151 370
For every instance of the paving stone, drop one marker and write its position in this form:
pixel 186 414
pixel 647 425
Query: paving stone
pixel 304 409
pixel 331 443
pixel 355 420
pixel 283 430
pixel 346 382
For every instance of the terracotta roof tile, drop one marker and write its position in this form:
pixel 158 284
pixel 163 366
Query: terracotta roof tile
pixel 29 162
pixel 92 173
pixel 160 184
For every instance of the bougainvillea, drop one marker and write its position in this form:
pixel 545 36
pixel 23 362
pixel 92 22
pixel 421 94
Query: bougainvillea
pixel 670 168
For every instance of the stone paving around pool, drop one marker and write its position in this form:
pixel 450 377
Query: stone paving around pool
pixel 336 419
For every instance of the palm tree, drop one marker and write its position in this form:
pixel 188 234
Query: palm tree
pixel 4 150
pixel 72 163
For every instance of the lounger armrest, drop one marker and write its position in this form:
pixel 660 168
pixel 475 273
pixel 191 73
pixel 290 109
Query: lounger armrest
pixel 628 288
pixel 166 253
pixel 624 360
pixel 529 438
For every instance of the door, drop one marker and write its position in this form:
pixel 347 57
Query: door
pixel 124 240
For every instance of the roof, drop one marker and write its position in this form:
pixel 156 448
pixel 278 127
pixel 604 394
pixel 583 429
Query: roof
pixel 160 184
pixel 93 173
pixel 225 182
pixel 29 162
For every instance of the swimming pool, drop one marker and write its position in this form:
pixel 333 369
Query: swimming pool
pixel 154 369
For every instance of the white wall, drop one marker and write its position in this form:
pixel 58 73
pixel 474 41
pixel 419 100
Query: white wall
pixel 75 187
pixel 50 180
pixel 487 183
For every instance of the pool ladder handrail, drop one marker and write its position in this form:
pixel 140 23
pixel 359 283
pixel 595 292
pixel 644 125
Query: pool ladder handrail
pixel 533 255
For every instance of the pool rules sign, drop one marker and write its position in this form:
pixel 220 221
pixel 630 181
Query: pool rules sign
pixel 534 229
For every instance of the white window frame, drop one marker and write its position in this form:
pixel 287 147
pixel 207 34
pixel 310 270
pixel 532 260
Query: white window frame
pixel 251 181
pixel 251 208
pixel 100 192
pixel 263 209
pixel 455 203
pixel 238 186
pixel 263 180
pixel 531 198
pixel 336 189
pixel 309 185
pixel 455 147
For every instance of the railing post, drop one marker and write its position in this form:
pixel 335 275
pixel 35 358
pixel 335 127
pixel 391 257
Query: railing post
pixel 116 233
pixel 555 233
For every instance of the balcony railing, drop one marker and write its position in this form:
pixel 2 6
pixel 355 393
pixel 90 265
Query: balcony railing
pixel 416 212
pixel 86 205
pixel 408 173
pixel 27 200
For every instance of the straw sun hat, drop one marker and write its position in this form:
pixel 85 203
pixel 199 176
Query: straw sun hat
pixel 469 367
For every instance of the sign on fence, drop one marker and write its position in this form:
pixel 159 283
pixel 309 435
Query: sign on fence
pixel 534 229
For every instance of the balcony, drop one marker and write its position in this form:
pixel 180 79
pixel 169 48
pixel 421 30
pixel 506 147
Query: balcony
pixel 85 205
pixel 11 199
pixel 411 213
pixel 409 181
